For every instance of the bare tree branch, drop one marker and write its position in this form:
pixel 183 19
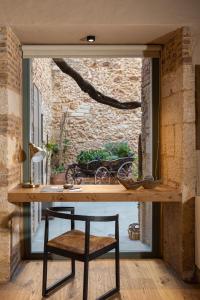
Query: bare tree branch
pixel 90 90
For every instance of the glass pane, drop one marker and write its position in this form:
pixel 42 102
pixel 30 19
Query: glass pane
pixel 134 224
pixel 89 143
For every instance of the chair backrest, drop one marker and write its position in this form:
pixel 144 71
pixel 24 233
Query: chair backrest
pixel 57 212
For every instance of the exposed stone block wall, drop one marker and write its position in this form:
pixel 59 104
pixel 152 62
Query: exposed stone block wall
pixel 42 78
pixel 177 130
pixel 146 91
pixel 90 124
pixel 10 145
pixel 41 72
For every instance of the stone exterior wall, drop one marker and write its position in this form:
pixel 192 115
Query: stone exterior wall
pixel 90 124
pixel 146 90
pixel 42 78
pixel 177 131
pixel 10 145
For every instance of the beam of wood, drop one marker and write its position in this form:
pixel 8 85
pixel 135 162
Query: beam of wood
pixel 95 193
pixel 86 87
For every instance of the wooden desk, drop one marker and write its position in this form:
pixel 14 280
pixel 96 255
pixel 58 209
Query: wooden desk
pixel 95 193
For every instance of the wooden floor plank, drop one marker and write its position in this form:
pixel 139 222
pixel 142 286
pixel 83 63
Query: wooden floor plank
pixel 140 280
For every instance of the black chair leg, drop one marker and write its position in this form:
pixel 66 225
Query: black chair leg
pixel 85 280
pixel 73 267
pixel 44 278
pixel 47 291
pixel 117 277
pixel 117 268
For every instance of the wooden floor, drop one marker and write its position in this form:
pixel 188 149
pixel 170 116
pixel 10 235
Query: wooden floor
pixel 140 280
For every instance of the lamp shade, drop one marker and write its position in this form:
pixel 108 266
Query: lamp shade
pixel 37 154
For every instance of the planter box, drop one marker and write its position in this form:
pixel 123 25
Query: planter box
pixel 58 178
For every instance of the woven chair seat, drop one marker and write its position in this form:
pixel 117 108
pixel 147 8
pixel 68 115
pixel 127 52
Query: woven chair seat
pixel 74 241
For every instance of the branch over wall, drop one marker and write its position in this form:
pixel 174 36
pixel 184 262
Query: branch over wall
pixel 86 87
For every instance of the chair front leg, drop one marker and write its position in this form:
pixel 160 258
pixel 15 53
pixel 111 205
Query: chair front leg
pixel 73 266
pixel 116 289
pixel 44 278
pixel 47 291
pixel 117 267
pixel 85 280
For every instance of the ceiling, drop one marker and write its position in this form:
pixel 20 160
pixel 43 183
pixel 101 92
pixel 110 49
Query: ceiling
pixel 112 21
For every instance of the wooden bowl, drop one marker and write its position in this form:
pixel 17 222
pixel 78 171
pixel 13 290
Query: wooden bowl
pixel 68 186
pixel 130 184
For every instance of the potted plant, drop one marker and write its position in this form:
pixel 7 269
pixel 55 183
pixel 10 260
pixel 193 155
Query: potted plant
pixel 55 154
pixel 119 149
pixel 84 157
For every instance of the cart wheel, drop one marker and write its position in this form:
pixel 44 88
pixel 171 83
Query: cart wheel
pixel 126 170
pixel 72 175
pixel 102 176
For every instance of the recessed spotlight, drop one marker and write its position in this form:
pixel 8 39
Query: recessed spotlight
pixel 91 38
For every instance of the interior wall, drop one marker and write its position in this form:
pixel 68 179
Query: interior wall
pixel 196 63
pixel 177 150
pixel 146 134
pixel 146 92
pixel 197 202
pixel 10 145
pixel 178 164
pixel 197 232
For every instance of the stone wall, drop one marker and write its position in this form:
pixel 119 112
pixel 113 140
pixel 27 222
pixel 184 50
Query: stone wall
pixel 42 78
pixel 41 69
pixel 177 131
pixel 10 145
pixel 146 91
pixel 90 124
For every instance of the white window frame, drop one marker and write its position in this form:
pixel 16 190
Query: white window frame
pixel 57 51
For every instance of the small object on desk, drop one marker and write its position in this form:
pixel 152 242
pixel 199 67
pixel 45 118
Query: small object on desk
pixel 75 189
pixel 29 185
pixel 68 185
pixel 147 183
pixel 50 189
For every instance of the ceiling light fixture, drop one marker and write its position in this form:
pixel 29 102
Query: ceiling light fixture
pixel 91 38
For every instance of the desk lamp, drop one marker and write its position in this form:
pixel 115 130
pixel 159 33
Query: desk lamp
pixel 36 154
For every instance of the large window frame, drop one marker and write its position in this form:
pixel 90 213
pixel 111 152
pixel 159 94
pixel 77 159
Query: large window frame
pixel 156 207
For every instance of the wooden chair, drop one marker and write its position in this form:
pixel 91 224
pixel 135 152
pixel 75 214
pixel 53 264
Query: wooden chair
pixel 81 246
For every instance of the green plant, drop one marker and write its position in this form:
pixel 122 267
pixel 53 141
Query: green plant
pixel 135 167
pixel 53 154
pixel 118 149
pixel 66 143
pixel 111 151
pixel 85 157
pixel 59 169
pixel 56 152
pixel 52 147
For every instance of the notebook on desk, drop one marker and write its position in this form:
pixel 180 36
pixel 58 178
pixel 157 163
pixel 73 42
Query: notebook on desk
pixel 51 189
pixel 56 189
